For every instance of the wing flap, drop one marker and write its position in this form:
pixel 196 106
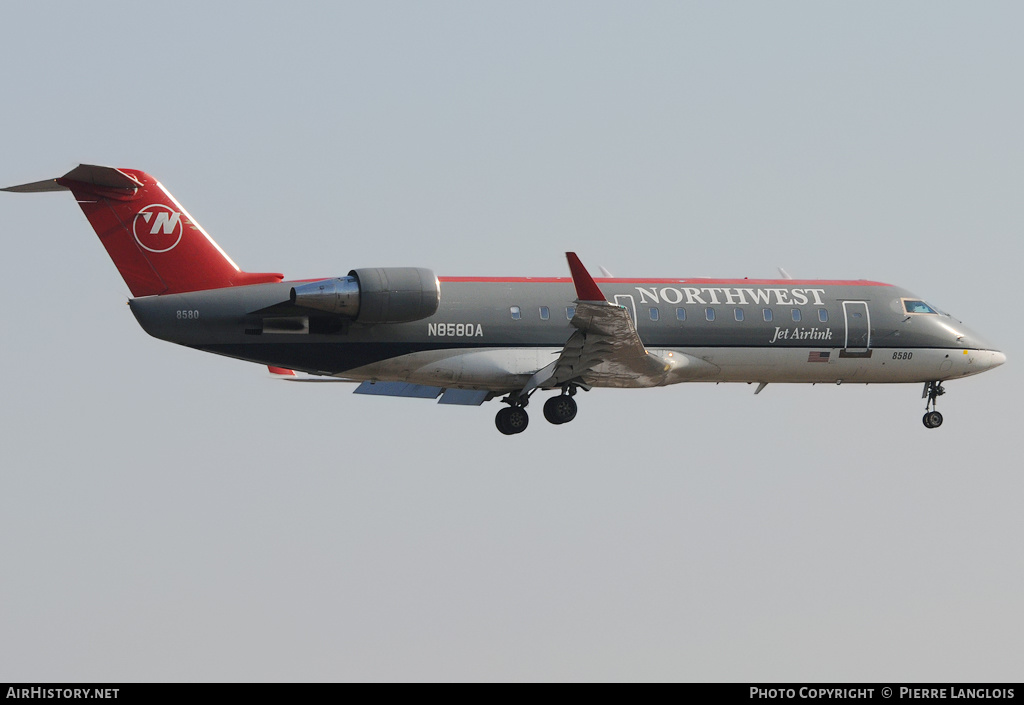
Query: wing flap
pixel 398 389
pixel 456 397
pixel 464 397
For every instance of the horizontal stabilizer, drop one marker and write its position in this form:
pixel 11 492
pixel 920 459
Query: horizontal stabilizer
pixel 36 187
pixel 102 176
pixel 88 174
pixel 398 389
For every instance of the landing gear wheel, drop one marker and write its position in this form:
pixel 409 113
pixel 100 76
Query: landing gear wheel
pixel 512 420
pixel 560 409
pixel 932 419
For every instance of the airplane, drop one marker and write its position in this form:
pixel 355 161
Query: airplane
pixel 404 332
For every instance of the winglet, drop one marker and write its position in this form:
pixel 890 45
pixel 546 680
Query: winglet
pixel 586 287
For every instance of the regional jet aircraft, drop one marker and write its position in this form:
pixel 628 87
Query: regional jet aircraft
pixel 402 331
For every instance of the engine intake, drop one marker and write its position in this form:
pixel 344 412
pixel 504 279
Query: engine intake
pixel 374 295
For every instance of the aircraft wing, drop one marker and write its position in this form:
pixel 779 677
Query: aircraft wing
pixel 605 345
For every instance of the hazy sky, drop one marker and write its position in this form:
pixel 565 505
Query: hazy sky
pixel 171 515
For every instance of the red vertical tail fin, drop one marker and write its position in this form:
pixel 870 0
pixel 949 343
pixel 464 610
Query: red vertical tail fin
pixel 155 244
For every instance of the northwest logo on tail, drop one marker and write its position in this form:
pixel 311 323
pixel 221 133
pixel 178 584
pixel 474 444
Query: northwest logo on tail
pixel 157 228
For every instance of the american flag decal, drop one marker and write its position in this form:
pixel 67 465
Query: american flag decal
pixel 818 357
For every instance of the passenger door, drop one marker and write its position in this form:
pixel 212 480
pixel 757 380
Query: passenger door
pixel 858 327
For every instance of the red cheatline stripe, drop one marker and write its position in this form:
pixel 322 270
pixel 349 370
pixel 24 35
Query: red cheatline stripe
pixel 784 283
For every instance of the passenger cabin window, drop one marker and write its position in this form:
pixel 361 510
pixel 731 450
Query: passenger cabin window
pixel 709 313
pixel 767 313
pixel 823 315
pixel 517 313
pixel 917 306
pixel 545 313
pixel 737 314
pixel 680 314
pixel 655 313
pixel 796 314
pixel 570 311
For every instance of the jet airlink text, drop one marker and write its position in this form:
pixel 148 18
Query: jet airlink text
pixel 716 295
pixel 801 334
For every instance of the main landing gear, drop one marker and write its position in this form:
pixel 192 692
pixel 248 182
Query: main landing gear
pixel 558 410
pixel 932 391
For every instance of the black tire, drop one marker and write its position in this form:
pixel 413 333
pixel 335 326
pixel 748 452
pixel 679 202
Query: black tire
pixel 932 419
pixel 512 420
pixel 560 409
pixel 501 421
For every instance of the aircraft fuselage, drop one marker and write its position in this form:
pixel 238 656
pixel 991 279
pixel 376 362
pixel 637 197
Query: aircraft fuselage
pixel 495 333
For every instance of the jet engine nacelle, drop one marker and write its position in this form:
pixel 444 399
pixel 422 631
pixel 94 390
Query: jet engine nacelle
pixel 374 295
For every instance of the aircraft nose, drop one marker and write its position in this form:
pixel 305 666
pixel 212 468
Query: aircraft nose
pixel 996 358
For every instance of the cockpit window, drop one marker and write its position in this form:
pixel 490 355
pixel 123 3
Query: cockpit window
pixel 917 306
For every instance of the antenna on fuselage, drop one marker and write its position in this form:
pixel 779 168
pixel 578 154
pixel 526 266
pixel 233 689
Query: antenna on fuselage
pixel 784 273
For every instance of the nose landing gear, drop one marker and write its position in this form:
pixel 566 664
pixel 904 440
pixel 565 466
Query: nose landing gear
pixel 932 391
